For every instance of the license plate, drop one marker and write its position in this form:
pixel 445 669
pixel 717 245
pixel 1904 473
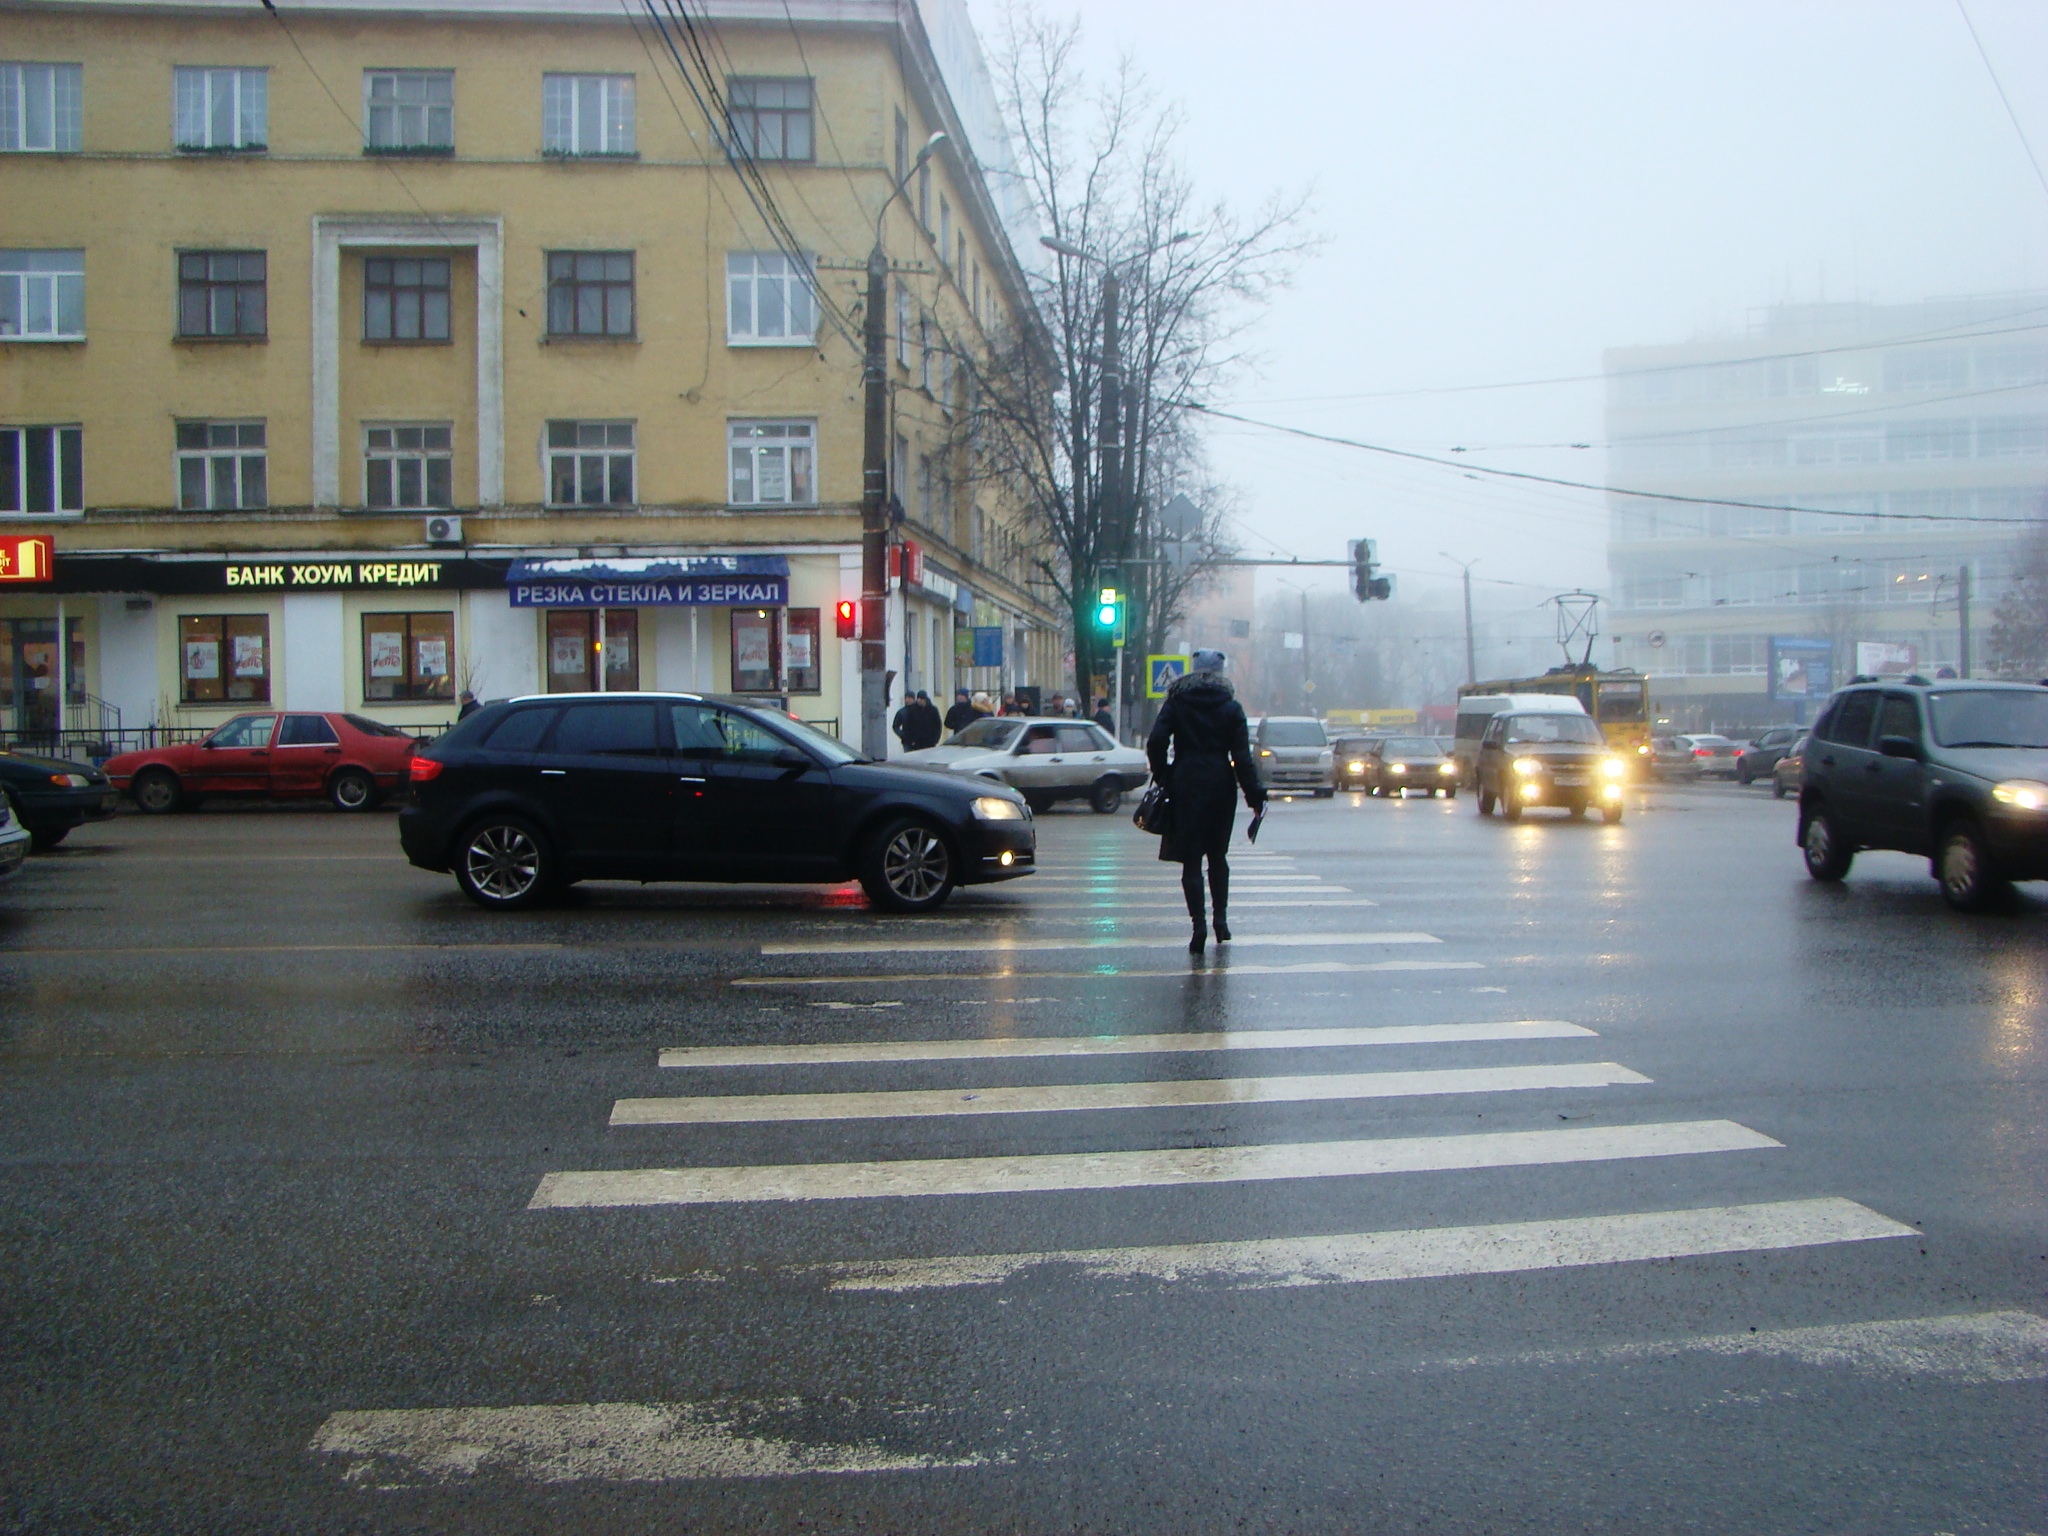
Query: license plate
pixel 1570 780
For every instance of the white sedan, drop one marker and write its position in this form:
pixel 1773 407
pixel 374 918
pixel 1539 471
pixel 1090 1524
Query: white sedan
pixel 1045 760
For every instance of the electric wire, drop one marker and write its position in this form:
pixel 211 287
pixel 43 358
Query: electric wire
pixel 1999 86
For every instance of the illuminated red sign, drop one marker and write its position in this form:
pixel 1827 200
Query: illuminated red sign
pixel 28 557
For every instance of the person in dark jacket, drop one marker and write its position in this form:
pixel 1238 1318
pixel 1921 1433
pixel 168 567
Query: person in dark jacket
pixel 1104 718
pixel 469 705
pixel 963 712
pixel 929 728
pixel 1211 763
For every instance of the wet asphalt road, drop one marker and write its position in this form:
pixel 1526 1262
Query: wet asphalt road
pixel 283 1250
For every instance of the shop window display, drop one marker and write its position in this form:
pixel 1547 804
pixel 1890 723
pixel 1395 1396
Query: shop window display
pixel 408 657
pixel 224 658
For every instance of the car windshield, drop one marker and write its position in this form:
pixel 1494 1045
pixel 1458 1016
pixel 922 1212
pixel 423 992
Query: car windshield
pixel 831 748
pixel 987 732
pixel 1568 728
pixel 1413 746
pixel 1295 733
pixel 1988 717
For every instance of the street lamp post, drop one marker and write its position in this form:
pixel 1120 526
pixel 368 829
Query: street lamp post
pixel 1471 665
pixel 874 491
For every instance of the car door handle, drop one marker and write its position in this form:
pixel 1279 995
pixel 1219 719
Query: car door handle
pixel 554 773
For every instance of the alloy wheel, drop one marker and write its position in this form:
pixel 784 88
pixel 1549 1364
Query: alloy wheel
pixel 916 864
pixel 503 862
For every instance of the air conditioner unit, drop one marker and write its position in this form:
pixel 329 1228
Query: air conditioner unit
pixel 444 530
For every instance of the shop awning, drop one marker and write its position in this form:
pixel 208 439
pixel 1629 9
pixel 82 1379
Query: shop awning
pixel 653 581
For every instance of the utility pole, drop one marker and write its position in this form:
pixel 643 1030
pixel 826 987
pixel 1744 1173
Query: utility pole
pixel 1471 665
pixel 1109 467
pixel 874 484
pixel 1963 621
pixel 1308 677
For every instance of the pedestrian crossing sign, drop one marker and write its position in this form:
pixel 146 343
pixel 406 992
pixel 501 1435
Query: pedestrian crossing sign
pixel 1162 672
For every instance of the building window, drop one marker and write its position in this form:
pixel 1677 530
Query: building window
pixel 408 657
pixel 902 146
pixel 945 227
pixel 408 466
pixel 409 111
pixel 221 108
pixel 902 324
pixel 2012 437
pixel 1927 440
pixel 772 463
pixel 42 470
pixel 590 293
pixel 756 651
pixel 222 466
pixel 41 106
pixel 590 463
pixel 405 298
pixel 768 300
pixel 924 198
pixel 587 114
pixel 42 295
pixel 576 640
pixel 225 659
pixel 960 259
pixel 771 119
pixel 800 645
pixel 223 293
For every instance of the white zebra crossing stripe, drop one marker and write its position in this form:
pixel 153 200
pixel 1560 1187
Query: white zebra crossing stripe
pixel 998 944
pixel 1220 966
pixel 1353 1258
pixel 1132 1170
pixel 1051 1098
pixel 847 1052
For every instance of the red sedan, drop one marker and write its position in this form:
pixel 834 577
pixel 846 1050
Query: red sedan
pixel 354 762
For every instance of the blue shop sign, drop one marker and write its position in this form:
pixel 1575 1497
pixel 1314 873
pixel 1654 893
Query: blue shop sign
pixel 656 581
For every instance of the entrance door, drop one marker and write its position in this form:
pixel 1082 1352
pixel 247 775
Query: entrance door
pixel 28 673
pixel 235 760
pixel 611 787
pixel 576 640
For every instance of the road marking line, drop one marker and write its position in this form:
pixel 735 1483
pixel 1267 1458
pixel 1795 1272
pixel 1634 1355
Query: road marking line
pixel 1966 1349
pixel 847 1052
pixel 1001 945
pixel 1133 1170
pixel 1111 972
pixel 617 1442
pixel 276 949
pixel 1353 1258
pixel 1293 899
pixel 1052 1098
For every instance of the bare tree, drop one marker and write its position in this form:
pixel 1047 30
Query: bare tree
pixel 1102 167
pixel 2018 643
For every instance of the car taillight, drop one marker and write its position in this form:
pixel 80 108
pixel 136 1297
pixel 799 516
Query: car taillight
pixel 425 768
pixel 1702 751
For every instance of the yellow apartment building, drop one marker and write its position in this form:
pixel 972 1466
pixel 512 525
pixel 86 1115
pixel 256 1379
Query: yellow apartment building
pixel 355 355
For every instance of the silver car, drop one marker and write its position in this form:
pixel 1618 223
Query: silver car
pixel 1293 754
pixel 1045 760
pixel 14 839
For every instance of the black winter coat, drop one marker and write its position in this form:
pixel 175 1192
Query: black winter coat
pixel 960 716
pixel 1212 761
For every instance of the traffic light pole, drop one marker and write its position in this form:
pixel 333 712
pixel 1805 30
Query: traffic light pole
pixel 874 512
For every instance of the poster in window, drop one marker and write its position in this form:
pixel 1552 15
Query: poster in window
pixel 618 652
pixel 202 660
pixel 387 653
pixel 565 655
pixel 753 653
pixel 249 656
pixel 799 651
pixel 432 656
pixel 770 466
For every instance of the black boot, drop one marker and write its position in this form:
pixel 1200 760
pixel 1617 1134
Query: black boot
pixel 1219 896
pixel 1200 941
pixel 1191 888
pixel 1222 928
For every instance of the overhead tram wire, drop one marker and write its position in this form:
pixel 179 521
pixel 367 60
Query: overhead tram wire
pixel 1583 485
pixel 1999 86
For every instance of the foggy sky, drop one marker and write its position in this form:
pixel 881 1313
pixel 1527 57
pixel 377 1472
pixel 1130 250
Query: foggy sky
pixel 1508 189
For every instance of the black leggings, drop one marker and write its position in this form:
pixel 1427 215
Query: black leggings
pixel 1217 853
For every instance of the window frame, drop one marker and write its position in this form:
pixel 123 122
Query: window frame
pixel 207 78
pixel 754 619
pixel 229 626
pixel 208 286
pixel 422 292
pixel 578 453
pixel 614 117
pixel 808 442
pixel 425 455
pixel 787 282
pixel 413 686
pixel 18 278
pixel 62 476
pixel 561 276
pixel 211 455
pixel 371 106
pixel 65 113
pixel 747 118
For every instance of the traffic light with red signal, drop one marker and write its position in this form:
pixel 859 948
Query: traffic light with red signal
pixel 848 616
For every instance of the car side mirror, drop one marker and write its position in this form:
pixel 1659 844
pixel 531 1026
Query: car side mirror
pixel 790 757
pixel 1899 746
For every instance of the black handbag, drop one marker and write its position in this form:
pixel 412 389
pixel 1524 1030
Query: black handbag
pixel 1155 812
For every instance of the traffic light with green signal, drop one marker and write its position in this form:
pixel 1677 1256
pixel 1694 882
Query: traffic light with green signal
pixel 1109 615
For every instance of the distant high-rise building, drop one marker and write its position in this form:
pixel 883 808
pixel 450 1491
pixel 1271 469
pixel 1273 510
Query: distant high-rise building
pixel 1836 476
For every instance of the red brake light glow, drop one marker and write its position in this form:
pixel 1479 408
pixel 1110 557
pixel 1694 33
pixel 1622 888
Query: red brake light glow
pixel 425 768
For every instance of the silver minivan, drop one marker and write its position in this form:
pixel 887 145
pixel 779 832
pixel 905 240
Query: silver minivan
pixel 1475 710
pixel 1294 756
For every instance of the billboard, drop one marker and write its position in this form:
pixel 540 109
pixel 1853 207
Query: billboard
pixel 1885 658
pixel 1802 671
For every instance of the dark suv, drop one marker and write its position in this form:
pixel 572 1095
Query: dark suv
pixel 528 796
pixel 1954 770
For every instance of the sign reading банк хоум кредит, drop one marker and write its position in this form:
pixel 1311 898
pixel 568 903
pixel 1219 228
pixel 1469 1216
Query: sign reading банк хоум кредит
pixel 300 575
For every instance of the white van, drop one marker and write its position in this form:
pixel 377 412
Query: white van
pixel 1474 711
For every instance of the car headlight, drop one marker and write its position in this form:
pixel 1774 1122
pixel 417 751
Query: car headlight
pixel 1397 767
pixel 1354 767
pixel 1265 751
pixel 2021 794
pixel 995 808
pixel 1643 750
pixel 1528 765
pixel 70 780
pixel 1446 766
pixel 1613 767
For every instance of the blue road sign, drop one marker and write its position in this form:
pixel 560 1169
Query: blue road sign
pixel 1161 672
